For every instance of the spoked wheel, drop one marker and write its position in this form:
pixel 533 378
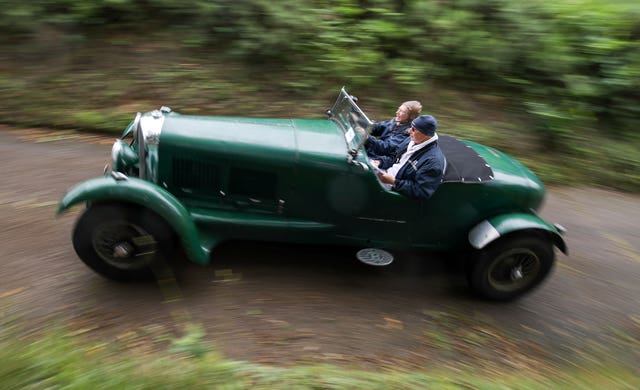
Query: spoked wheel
pixel 123 242
pixel 511 267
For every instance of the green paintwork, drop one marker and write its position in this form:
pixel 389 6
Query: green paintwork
pixel 509 223
pixel 145 194
pixel 269 141
pixel 294 180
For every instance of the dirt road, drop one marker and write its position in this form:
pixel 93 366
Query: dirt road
pixel 293 304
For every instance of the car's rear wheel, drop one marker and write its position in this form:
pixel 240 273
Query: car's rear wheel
pixel 123 242
pixel 510 267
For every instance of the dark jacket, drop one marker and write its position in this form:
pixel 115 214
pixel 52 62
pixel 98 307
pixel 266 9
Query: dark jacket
pixel 422 174
pixel 385 137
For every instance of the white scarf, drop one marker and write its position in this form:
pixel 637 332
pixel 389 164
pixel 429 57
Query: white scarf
pixel 411 149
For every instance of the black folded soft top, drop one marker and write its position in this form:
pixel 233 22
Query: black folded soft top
pixel 464 164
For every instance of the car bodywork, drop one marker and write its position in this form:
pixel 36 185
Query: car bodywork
pixel 308 181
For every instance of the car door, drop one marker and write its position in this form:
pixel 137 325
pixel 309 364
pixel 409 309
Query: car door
pixel 378 216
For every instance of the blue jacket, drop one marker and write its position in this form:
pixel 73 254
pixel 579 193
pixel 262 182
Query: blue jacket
pixel 422 174
pixel 385 137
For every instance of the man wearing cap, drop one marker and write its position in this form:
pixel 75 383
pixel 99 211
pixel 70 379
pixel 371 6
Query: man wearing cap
pixel 386 136
pixel 416 168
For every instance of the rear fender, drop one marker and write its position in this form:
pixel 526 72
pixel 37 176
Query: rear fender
pixel 493 228
pixel 145 194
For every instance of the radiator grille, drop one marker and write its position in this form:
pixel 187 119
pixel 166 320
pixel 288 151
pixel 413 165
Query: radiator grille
pixel 193 175
pixel 253 183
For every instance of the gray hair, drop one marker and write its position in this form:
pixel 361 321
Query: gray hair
pixel 413 108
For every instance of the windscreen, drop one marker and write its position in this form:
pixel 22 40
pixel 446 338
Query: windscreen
pixel 349 117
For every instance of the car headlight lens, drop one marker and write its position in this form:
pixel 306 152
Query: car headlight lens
pixel 123 158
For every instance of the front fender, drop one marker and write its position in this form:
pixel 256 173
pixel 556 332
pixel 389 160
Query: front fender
pixel 146 194
pixel 493 228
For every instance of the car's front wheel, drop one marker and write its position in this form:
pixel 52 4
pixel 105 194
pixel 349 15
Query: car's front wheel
pixel 511 266
pixel 123 242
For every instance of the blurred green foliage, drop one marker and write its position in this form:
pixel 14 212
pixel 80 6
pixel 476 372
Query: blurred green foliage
pixel 566 72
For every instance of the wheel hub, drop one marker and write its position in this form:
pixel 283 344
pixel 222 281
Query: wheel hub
pixel 122 250
pixel 516 274
pixel 124 245
pixel 514 269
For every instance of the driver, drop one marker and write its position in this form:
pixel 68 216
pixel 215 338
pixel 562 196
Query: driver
pixel 417 167
pixel 386 136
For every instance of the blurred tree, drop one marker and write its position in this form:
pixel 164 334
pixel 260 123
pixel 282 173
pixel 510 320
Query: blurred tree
pixel 573 66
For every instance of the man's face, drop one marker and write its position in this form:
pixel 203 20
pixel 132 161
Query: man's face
pixel 417 136
pixel 402 114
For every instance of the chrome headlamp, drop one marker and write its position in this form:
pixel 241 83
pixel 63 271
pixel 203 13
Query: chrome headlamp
pixel 123 158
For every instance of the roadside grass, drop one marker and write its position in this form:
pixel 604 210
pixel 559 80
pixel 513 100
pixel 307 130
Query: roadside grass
pixel 61 358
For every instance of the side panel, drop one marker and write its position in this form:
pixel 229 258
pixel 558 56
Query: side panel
pixel 493 228
pixel 145 194
pixel 455 208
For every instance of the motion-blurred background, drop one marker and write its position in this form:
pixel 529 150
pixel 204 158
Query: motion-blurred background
pixel 557 84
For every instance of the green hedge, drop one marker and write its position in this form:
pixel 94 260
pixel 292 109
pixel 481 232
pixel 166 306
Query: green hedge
pixel 572 64
pixel 568 70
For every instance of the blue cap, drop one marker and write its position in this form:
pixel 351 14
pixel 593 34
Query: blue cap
pixel 426 124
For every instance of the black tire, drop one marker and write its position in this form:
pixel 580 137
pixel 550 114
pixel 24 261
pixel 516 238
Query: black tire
pixel 511 266
pixel 123 242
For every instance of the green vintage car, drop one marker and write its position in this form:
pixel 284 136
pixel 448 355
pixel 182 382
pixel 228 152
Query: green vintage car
pixel 201 180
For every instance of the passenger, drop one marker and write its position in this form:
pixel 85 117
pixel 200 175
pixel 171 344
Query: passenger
pixel 388 135
pixel 417 167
